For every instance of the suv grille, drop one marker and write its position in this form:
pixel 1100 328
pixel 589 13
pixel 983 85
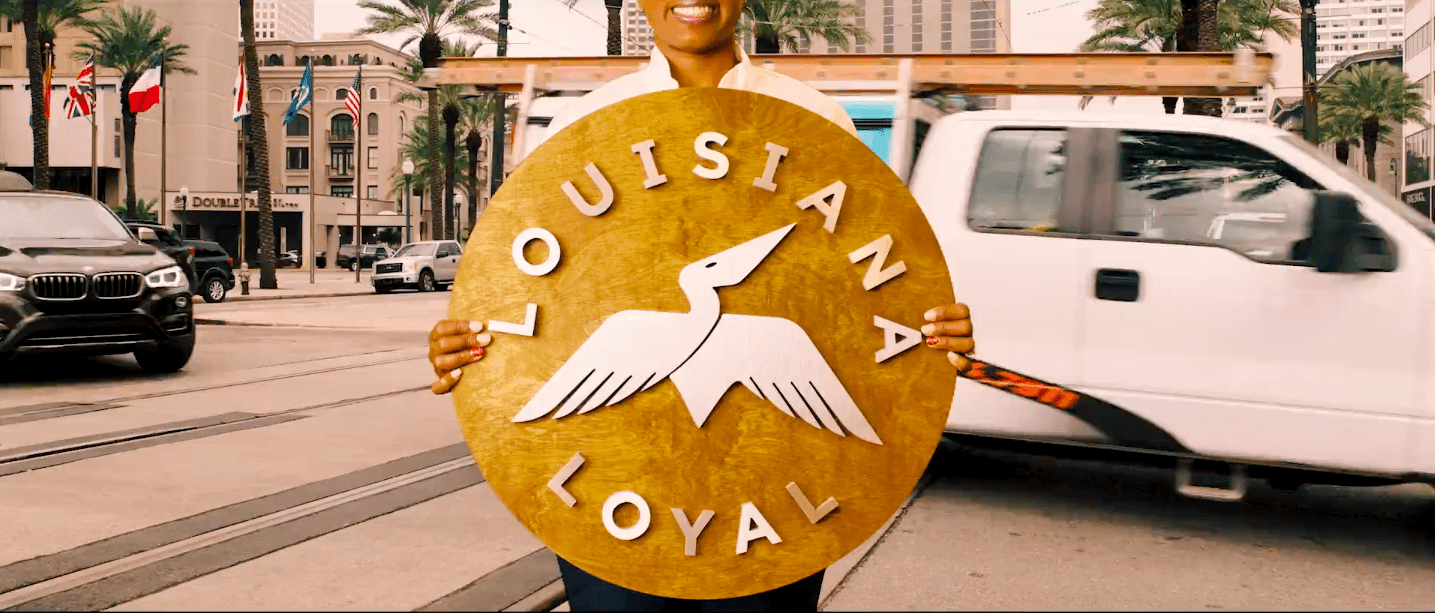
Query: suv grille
pixel 59 287
pixel 118 284
pixel 387 268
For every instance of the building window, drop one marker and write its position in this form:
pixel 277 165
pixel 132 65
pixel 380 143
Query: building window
pixel 297 158
pixel 342 191
pixel 917 26
pixel 373 192
pixel 372 157
pixel 373 124
pixel 889 29
pixel 341 127
pixel 341 93
pixel 373 93
pixel 1417 157
pixel 341 161
pixel 273 60
pixel 298 127
pixel 296 189
pixel 402 133
pixel 946 25
pixel 861 19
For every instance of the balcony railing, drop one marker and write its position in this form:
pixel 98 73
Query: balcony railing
pixel 340 172
pixel 342 136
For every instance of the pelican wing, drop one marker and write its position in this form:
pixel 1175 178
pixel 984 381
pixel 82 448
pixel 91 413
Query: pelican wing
pixel 775 359
pixel 630 352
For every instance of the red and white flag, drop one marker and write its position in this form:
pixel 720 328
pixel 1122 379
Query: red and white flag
pixel 241 95
pixel 145 93
pixel 81 101
pixel 352 101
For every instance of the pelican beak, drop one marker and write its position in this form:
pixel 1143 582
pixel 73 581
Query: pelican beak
pixel 739 262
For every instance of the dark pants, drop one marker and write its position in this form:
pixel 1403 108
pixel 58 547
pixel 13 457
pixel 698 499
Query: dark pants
pixel 589 593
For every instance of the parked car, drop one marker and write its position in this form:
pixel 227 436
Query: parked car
pixel 366 259
pixel 214 268
pixel 171 244
pixel 321 259
pixel 75 280
pixel 289 259
pixel 424 266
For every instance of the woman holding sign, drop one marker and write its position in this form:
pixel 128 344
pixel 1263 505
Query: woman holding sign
pixel 696 47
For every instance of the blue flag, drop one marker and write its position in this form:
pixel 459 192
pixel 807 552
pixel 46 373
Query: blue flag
pixel 301 97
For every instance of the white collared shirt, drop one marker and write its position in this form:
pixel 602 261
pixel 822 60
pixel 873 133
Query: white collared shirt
pixel 745 76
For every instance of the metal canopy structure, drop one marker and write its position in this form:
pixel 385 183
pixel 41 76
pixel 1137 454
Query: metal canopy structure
pixel 1094 74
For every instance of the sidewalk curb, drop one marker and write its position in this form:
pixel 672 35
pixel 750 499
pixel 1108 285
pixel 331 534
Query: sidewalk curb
pixel 326 295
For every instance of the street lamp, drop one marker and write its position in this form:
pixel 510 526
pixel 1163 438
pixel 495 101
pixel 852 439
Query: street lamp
pixel 457 213
pixel 408 214
pixel 184 197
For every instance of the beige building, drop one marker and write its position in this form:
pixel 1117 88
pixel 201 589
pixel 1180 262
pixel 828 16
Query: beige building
pixel 197 105
pixel 894 26
pixel 283 20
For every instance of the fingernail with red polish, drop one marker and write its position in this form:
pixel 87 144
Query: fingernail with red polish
pixel 476 352
pixel 932 341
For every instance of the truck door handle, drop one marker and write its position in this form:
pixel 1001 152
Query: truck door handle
pixel 1118 284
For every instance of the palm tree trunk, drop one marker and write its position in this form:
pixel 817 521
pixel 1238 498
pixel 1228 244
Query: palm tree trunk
pixel 450 152
pixel 35 65
pixel 1369 139
pixel 258 143
pixel 1170 103
pixel 436 221
pixel 1207 39
pixel 473 142
pixel 128 120
pixel 615 26
pixel 1342 152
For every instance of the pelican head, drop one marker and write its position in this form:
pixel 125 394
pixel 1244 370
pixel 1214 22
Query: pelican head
pixel 733 265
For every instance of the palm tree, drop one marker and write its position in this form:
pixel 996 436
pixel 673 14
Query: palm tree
pixel 1343 129
pixel 127 40
pixel 427 22
pixel 1374 94
pixel 256 140
pixel 779 24
pixel 476 119
pixel 42 21
pixel 453 106
pixel 1137 26
pixel 414 146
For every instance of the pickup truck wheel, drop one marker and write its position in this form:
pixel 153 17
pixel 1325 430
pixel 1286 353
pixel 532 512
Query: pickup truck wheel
pixel 167 357
pixel 426 283
pixel 214 290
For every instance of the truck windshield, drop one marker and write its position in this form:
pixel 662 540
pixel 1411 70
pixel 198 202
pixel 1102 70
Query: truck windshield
pixel 26 216
pixel 416 249
pixel 1367 189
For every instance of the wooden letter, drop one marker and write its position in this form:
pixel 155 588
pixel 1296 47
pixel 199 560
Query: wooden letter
pixel 604 187
pixel 638 528
pixel 835 191
pixel 700 146
pixel 775 153
pixel 899 338
pixel 530 321
pixel 650 166
pixel 528 236
pixel 564 474
pixel 693 530
pixel 753 526
pixel 875 274
pixel 813 515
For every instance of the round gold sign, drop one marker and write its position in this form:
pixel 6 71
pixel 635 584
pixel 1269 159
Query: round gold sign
pixel 707 378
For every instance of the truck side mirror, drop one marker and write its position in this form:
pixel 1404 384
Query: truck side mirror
pixel 148 235
pixel 1341 240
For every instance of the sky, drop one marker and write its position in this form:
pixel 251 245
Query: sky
pixel 545 28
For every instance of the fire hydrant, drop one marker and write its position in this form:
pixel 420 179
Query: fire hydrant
pixel 244 279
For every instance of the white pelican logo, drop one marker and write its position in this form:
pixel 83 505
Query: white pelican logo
pixel 704 352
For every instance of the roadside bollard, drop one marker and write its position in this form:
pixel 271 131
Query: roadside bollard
pixel 244 279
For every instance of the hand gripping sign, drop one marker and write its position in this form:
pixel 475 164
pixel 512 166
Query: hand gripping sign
pixel 706 378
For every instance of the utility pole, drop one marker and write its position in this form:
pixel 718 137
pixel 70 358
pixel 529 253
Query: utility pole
pixel 1309 97
pixel 500 114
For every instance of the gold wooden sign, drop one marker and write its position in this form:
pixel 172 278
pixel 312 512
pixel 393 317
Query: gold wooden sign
pixel 706 379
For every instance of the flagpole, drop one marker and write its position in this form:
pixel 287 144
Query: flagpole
pixel 94 135
pixel 243 172
pixel 163 143
pixel 313 181
pixel 359 180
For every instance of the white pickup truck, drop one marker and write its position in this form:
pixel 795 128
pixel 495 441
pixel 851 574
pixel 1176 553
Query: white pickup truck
pixel 1083 244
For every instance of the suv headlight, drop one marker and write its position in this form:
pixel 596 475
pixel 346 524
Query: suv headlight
pixel 11 283
pixel 167 277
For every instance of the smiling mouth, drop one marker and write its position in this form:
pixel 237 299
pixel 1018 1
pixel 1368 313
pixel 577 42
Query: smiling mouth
pixel 693 14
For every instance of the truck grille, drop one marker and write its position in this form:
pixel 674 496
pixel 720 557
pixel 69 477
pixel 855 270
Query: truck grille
pixel 59 287
pixel 118 284
pixel 388 268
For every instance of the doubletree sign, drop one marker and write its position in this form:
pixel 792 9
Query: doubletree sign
pixel 706 380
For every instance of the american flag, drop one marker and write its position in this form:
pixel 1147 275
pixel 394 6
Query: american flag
pixel 352 101
pixel 81 101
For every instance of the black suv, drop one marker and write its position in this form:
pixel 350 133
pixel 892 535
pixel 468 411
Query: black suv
pixel 214 268
pixel 74 280
pixel 167 241
pixel 370 254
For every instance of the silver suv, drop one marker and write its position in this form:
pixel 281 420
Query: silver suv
pixel 425 266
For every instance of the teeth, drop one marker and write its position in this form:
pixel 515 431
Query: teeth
pixel 693 11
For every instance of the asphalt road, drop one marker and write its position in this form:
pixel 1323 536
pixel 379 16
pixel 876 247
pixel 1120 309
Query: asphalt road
pixel 299 463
